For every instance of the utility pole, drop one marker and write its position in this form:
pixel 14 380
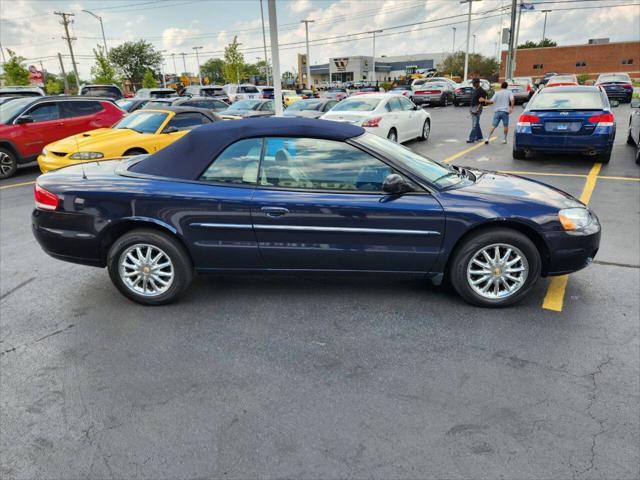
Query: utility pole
pixel 466 53
pixel 306 29
pixel 275 57
pixel 264 43
pixel 4 60
pixel 44 75
pixel 104 40
pixel 175 69
pixel 515 50
pixel 508 72
pixel 198 63
pixel 474 43
pixel 184 63
pixel 64 75
pixel 544 27
pixel 164 82
pixel 373 68
pixel 65 22
pixel 453 44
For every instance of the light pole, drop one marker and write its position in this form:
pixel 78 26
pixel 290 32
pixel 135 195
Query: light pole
pixel 474 43
pixel 175 69
pixel 275 57
pixel 164 82
pixel 198 63
pixel 453 44
pixel 106 51
pixel 264 43
pixel 544 27
pixel 373 69
pixel 184 63
pixel 306 29
pixel 466 53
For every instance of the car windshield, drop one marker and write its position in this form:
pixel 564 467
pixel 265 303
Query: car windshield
pixel 142 121
pixel 440 175
pixel 305 105
pixel 162 93
pixel 245 105
pixel 434 85
pixel 360 104
pixel 211 92
pixel 110 92
pixel 11 108
pixel 563 100
pixel 614 78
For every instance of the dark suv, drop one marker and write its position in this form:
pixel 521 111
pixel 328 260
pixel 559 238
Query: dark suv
pixel 103 91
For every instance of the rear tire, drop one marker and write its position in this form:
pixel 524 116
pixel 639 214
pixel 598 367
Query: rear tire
pixel 131 259
pixel 519 154
pixel 468 284
pixel 8 163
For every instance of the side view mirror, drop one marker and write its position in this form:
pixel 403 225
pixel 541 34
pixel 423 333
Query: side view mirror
pixel 24 119
pixel 396 184
pixel 635 104
pixel 614 103
pixel 171 130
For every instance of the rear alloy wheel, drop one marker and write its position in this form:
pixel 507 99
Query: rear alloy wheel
pixel 495 268
pixel 392 135
pixel 149 267
pixel 8 163
pixel 426 131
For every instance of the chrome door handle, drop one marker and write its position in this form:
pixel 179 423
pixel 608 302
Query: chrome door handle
pixel 275 211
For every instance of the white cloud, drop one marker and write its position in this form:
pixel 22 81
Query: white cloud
pixel 300 6
pixel 176 37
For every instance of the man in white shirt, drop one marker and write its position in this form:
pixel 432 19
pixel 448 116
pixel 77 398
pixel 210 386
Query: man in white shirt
pixel 504 102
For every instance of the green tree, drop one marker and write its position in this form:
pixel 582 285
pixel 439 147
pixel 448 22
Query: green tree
pixel 543 43
pixel 103 71
pixel 479 65
pixel 15 73
pixel 54 86
pixel 149 80
pixel 234 67
pixel 212 69
pixel 133 59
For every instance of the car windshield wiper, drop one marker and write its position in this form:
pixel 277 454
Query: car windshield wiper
pixel 454 173
pixel 131 128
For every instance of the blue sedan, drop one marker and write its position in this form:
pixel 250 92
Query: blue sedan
pixel 297 195
pixel 574 119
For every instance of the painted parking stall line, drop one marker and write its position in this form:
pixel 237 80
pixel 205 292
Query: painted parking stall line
pixel 466 150
pixel 17 185
pixel 554 298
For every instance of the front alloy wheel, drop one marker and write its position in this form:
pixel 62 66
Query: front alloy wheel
pixel 497 271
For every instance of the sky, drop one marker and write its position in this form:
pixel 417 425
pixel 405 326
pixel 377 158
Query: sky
pixel 31 28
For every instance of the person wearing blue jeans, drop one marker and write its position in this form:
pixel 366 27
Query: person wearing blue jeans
pixel 478 99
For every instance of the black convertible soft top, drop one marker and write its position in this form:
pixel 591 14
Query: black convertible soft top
pixel 188 157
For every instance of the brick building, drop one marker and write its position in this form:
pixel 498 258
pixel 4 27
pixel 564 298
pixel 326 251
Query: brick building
pixel 592 59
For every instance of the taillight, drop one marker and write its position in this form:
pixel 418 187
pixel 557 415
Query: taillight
pixel 433 91
pixel 372 122
pixel 420 92
pixel 603 120
pixel 528 87
pixel 45 200
pixel 627 86
pixel 527 119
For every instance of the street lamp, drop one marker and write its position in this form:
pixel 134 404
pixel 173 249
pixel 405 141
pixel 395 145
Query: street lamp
pixel 374 77
pixel 306 28
pixel 198 63
pixel 106 51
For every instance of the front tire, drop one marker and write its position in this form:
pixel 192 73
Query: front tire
pixel 8 163
pixel 426 131
pixel 495 267
pixel 149 267
pixel 393 135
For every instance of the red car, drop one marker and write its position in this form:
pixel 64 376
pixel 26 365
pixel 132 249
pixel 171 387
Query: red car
pixel 28 124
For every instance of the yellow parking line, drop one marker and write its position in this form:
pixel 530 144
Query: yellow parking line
pixel 554 299
pixel 17 185
pixel 628 179
pixel 466 150
pixel 578 175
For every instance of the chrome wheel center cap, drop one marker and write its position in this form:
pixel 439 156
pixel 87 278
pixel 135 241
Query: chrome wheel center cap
pixel 146 270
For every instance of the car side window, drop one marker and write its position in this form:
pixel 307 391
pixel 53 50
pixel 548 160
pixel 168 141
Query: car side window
pixel 329 105
pixel 315 164
pixel 395 104
pixel 237 164
pixel 45 112
pixel 406 103
pixel 80 108
pixel 185 121
pixel 268 106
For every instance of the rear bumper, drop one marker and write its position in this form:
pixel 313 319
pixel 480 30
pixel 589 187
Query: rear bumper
pixel 562 143
pixel 571 252
pixel 422 99
pixel 625 95
pixel 67 236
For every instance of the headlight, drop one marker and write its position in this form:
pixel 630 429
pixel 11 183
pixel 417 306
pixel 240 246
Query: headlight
pixel 86 156
pixel 573 219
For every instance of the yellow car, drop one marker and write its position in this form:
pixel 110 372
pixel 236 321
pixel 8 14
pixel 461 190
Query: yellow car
pixel 143 131
pixel 290 96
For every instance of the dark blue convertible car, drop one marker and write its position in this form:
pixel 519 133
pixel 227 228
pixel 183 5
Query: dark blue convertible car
pixel 308 195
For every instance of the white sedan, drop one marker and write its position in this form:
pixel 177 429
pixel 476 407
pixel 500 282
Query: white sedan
pixel 387 115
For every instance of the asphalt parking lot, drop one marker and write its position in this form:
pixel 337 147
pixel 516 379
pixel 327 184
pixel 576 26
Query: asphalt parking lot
pixel 329 377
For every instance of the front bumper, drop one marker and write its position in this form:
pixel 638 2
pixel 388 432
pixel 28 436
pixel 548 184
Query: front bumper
pixel 572 251
pixel 50 162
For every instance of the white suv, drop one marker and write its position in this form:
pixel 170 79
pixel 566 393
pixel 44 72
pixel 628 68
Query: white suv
pixel 244 91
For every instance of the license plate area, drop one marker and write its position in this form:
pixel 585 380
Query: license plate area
pixel 562 127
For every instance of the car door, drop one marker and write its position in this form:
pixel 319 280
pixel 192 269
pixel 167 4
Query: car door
pixel 80 115
pixel 217 218
pixel 319 205
pixel 414 120
pixel 47 126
